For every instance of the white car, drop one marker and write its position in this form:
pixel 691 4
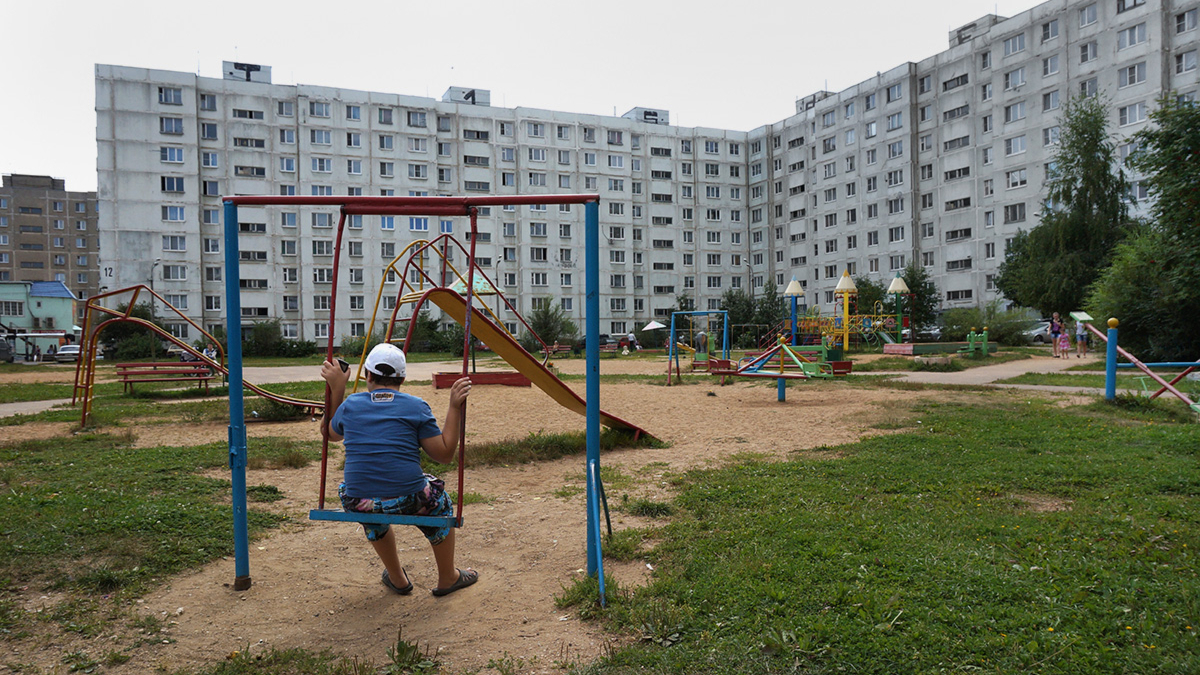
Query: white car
pixel 67 353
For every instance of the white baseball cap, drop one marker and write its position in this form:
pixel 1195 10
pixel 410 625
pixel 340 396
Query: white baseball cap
pixel 386 360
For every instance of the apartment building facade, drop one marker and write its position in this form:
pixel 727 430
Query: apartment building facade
pixel 48 233
pixel 939 161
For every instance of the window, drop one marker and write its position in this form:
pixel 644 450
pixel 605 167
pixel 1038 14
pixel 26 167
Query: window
pixel 1126 5
pixel 960 203
pixel 170 125
pixel 174 272
pixel 171 242
pixel 895 149
pixel 869 102
pixel 1015 178
pixel 172 214
pixel 895 92
pixel 1185 62
pixel 170 96
pixel 1014 44
pixel 1087 15
pixel 1014 112
pixel 1129 37
pixel 1050 101
pixel 1131 75
pixel 1088 52
pixel 1014 213
pixel 1050 30
pixel 1014 146
pixel 418 224
pixel 895 121
pixel 1014 78
pixel 1050 135
pixel 896 233
pixel 985 91
pixel 1050 65
pixel 168 184
pixel 985 60
pixel 1132 114
pixel 987 123
pixel 1088 87
pixel 1186 21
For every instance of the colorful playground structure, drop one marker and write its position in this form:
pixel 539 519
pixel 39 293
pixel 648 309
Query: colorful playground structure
pixel 700 341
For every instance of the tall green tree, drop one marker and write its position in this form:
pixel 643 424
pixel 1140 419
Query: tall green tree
pixel 769 308
pixel 922 306
pixel 740 307
pixel 551 324
pixel 871 292
pixel 1153 285
pixel 1083 219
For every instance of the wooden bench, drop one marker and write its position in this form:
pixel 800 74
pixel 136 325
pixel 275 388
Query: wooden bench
pixel 557 350
pixel 610 348
pixel 178 371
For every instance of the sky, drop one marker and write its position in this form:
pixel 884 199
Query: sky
pixel 728 65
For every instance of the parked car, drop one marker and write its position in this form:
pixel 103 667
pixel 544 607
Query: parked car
pixel 1038 333
pixel 67 353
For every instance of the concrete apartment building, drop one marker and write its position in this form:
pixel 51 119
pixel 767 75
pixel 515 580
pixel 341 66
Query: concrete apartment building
pixel 939 161
pixel 48 234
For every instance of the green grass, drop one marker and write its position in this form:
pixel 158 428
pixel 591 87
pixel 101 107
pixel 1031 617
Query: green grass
pixel 540 447
pixel 905 363
pixel 89 512
pixel 998 539
pixel 1125 380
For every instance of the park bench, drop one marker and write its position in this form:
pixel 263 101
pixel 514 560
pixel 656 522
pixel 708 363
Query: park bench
pixel 557 350
pixel 610 348
pixel 132 373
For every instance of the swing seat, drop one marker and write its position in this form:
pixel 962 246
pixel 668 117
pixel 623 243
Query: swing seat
pixel 337 515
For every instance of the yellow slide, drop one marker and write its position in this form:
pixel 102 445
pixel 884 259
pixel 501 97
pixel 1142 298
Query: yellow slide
pixel 455 306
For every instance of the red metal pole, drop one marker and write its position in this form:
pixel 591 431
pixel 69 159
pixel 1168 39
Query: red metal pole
pixel 337 257
pixel 462 427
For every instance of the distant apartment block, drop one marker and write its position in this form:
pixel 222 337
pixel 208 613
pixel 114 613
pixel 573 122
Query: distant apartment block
pixel 939 162
pixel 48 234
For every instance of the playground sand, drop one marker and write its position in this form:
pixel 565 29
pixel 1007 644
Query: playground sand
pixel 316 585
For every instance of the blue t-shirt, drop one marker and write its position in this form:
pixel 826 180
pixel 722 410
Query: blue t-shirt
pixel 383 431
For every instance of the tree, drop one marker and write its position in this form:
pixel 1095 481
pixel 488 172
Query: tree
pixel 740 307
pixel 769 309
pixel 922 306
pixel 1083 219
pixel 869 293
pixel 551 324
pixel 1153 285
pixel 127 340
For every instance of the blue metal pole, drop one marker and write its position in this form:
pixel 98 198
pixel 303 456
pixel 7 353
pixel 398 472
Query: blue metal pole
pixel 725 342
pixel 795 303
pixel 237 404
pixel 1110 363
pixel 591 275
pixel 671 351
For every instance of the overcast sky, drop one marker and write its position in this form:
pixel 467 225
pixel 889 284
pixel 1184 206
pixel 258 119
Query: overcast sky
pixel 731 64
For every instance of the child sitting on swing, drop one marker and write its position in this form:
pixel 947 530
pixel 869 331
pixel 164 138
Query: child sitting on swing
pixel 385 431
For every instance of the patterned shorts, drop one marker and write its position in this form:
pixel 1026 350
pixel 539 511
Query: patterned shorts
pixel 432 501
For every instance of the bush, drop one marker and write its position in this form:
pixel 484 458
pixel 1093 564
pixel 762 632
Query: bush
pixel 353 346
pixel 137 346
pixel 1004 326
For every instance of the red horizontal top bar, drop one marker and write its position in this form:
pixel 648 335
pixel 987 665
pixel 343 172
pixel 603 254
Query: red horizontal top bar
pixel 357 209
pixel 462 202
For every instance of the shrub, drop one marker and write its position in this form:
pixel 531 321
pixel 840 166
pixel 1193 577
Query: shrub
pixel 1004 326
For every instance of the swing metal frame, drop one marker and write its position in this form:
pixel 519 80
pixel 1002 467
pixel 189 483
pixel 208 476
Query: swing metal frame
pixel 405 206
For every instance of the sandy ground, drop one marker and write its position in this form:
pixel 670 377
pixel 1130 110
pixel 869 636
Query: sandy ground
pixel 316 585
